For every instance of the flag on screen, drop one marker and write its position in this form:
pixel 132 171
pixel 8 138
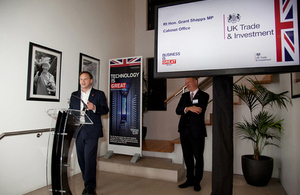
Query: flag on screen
pixel 284 27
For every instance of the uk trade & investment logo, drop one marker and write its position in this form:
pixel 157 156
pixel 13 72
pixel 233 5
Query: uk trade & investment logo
pixel 233 18
pixel 259 57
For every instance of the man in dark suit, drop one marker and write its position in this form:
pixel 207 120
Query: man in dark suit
pixel 94 103
pixel 192 107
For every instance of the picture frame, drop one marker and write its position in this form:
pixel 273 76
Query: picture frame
pixel 91 64
pixel 295 84
pixel 44 73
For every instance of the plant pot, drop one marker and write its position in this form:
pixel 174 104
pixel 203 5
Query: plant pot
pixel 257 172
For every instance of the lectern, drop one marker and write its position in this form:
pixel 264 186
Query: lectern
pixel 68 122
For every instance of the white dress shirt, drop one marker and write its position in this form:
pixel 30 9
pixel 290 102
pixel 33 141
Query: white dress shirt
pixel 194 93
pixel 84 96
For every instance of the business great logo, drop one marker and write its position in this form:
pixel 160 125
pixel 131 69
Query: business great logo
pixel 169 62
pixel 166 62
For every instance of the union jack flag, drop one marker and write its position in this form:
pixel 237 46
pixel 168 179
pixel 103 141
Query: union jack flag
pixel 132 61
pixel 284 29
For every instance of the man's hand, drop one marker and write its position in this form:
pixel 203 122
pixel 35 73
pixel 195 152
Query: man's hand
pixel 194 109
pixel 90 105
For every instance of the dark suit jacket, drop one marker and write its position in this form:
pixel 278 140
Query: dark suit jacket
pixel 98 98
pixel 192 121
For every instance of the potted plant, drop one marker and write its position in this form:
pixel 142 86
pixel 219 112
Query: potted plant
pixel 261 129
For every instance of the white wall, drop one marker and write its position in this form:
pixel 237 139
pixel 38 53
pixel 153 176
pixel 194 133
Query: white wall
pixel 103 29
pixel 290 153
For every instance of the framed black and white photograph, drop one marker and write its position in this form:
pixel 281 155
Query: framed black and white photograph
pixel 44 66
pixel 92 65
pixel 295 84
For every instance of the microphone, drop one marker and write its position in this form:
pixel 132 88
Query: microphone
pixel 84 104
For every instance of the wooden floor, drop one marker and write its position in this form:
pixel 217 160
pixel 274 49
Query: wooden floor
pixel 116 184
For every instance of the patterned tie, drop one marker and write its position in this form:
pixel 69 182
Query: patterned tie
pixel 192 96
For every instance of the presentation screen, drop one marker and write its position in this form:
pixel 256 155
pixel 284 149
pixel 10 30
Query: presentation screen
pixel 226 37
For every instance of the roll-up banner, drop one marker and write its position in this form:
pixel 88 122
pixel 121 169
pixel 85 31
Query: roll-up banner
pixel 125 126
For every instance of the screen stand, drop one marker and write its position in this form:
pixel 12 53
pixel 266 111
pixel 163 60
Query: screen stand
pixel 108 154
pixel 222 168
pixel 135 158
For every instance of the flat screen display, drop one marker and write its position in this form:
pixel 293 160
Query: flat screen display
pixel 226 37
